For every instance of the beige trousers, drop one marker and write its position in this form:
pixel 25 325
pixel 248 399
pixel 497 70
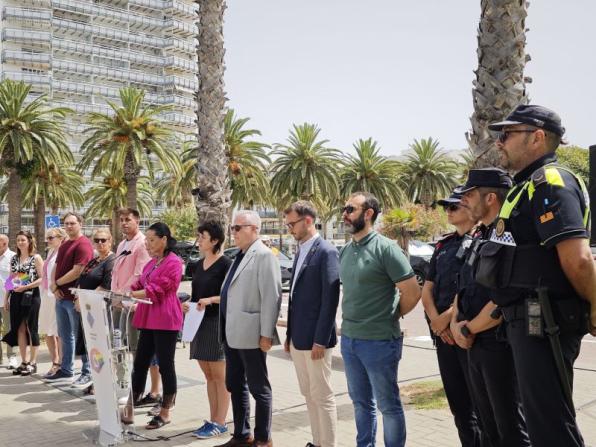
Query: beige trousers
pixel 314 378
pixel 4 329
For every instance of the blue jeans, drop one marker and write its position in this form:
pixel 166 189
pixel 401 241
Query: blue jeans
pixel 371 372
pixel 68 321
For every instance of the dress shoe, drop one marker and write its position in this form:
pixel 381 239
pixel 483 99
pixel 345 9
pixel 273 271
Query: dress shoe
pixel 310 444
pixel 233 442
pixel 263 444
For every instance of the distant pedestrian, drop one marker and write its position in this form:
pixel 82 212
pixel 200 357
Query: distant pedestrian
pixel 23 302
pixel 373 270
pixel 311 332
pixel 6 255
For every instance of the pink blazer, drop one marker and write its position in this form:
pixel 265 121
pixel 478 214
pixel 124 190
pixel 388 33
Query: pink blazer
pixel 161 286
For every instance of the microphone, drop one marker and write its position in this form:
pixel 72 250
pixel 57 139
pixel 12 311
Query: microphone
pixel 124 253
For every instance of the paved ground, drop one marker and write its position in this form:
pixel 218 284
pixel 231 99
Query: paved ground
pixel 33 413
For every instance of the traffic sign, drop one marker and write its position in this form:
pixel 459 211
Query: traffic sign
pixel 52 221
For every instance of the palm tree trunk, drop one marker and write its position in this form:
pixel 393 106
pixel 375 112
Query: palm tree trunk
pixel 131 176
pixel 39 214
pixel 212 196
pixel 15 207
pixel 500 84
pixel 115 227
pixel 280 221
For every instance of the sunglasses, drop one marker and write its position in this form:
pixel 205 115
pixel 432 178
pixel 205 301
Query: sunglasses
pixel 505 133
pixel 290 225
pixel 97 240
pixel 237 228
pixel 349 209
pixel 451 207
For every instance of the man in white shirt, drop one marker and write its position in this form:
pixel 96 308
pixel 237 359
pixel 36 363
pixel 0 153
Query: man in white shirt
pixel 6 255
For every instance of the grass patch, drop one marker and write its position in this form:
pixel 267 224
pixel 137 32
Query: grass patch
pixel 425 395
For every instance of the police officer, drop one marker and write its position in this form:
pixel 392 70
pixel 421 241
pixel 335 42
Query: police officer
pixel 438 293
pixel 540 241
pixel 492 379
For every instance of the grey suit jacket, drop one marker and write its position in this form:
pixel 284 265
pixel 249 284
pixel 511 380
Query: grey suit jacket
pixel 254 299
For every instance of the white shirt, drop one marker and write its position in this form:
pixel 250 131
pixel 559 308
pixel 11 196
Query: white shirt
pixel 303 249
pixel 4 271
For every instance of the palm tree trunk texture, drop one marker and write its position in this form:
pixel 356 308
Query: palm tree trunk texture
pixel 500 84
pixel 212 197
pixel 15 208
pixel 131 175
pixel 115 228
pixel 39 224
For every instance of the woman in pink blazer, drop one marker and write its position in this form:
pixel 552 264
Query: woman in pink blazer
pixel 159 322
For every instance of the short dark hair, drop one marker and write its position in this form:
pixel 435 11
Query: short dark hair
pixel 501 193
pixel 77 216
pixel 553 141
pixel 32 245
pixel 302 208
pixel 128 211
pixel 216 231
pixel 162 230
pixel 370 202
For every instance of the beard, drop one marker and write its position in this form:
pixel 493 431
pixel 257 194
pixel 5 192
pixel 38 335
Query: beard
pixel 354 226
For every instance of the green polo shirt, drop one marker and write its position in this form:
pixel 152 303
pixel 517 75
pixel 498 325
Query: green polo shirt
pixel 369 270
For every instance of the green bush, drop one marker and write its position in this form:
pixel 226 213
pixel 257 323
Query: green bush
pixel 183 222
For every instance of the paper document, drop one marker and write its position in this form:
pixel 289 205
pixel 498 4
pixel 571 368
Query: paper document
pixel 192 321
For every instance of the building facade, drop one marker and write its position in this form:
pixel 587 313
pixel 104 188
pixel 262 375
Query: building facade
pixel 81 52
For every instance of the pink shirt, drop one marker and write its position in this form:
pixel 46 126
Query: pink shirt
pixel 127 269
pixel 161 286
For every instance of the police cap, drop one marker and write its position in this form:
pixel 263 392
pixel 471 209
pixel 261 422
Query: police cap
pixel 532 115
pixel 453 199
pixel 486 178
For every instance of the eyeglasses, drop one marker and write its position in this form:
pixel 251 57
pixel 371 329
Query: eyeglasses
pixel 97 240
pixel 237 228
pixel 290 225
pixel 505 133
pixel 452 207
pixel 349 209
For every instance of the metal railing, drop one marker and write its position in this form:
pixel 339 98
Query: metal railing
pixel 23 56
pixel 37 15
pixel 29 78
pixel 20 35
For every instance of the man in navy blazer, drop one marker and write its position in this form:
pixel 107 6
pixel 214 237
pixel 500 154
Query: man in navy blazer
pixel 310 336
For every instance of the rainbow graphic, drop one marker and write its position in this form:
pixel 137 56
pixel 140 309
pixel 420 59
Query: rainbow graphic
pixel 16 280
pixel 96 359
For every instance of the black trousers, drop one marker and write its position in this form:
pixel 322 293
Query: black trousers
pixel 162 344
pixel 549 419
pixel 495 393
pixel 246 370
pixel 453 366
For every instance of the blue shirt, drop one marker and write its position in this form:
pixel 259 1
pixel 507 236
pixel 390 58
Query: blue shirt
pixel 303 249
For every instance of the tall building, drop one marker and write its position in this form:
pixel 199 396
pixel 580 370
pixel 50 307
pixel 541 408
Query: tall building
pixel 79 52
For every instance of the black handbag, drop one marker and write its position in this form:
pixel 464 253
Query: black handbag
pixel 27 298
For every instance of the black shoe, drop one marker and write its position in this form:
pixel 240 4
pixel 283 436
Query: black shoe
pixel 19 369
pixel 149 399
pixel 31 368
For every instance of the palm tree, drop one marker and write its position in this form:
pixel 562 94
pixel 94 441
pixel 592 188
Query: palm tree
pixel 428 172
pixel 176 189
pixel 109 195
pixel 29 132
pixel 500 84
pixel 131 139
pixel 369 171
pixel 305 168
pixel 212 196
pixel 53 186
pixel 248 162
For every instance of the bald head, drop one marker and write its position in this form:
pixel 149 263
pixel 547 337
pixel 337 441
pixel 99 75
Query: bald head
pixel 3 243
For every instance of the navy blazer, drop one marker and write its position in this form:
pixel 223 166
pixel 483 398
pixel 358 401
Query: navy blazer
pixel 314 298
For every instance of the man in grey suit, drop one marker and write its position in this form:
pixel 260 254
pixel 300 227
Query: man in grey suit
pixel 248 312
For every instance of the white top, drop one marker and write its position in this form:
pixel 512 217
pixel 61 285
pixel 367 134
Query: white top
pixel 4 271
pixel 303 249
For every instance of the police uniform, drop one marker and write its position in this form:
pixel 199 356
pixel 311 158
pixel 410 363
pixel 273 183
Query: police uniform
pixel 549 204
pixel 492 376
pixel 444 267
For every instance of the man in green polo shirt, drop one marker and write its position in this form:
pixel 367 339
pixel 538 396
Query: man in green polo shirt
pixel 372 269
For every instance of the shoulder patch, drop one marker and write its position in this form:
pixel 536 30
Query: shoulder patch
pixel 539 176
pixel 554 177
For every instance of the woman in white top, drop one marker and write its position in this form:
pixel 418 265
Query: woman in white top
pixel 47 311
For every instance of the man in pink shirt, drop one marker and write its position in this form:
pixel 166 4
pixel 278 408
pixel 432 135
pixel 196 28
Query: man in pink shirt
pixel 131 257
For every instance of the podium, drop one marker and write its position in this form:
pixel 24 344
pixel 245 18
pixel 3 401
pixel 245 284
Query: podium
pixel 110 362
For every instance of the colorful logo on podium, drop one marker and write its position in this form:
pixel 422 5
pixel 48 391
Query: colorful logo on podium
pixel 96 359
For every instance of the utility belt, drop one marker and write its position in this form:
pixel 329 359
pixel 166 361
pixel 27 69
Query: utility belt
pixel 524 266
pixel 572 316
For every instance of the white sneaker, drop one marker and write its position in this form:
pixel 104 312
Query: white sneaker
pixel 12 362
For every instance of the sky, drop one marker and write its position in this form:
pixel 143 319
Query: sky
pixel 395 70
